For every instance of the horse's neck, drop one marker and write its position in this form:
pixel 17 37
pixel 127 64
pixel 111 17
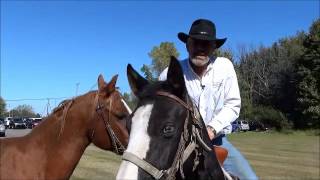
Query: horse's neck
pixel 64 139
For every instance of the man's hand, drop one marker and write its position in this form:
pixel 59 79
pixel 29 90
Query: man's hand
pixel 211 132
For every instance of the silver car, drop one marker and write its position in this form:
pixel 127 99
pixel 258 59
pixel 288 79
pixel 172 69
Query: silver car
pixel 2 129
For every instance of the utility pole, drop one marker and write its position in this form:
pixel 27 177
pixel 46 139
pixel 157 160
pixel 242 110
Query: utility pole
pixel 9 110
pixel 48 104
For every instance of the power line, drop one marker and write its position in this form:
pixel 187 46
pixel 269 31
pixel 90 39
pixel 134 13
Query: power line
pixel 36 99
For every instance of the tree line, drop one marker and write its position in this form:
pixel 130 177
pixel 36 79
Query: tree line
pixel 20 111
pixel 279 85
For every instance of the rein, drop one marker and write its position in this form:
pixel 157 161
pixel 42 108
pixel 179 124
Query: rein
pixel 183 152
pixel 118 147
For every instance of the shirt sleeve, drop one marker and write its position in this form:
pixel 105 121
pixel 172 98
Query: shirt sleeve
pixel 231 106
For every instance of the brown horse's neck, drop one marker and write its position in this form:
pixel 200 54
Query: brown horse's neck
pixel 63 135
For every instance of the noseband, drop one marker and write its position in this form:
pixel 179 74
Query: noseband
pixel 117 146
pixel 183 152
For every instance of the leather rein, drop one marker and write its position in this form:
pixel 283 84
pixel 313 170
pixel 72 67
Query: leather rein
pixel 117 146
pixel 183 152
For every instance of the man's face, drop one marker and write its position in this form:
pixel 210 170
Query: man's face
pixel 200 51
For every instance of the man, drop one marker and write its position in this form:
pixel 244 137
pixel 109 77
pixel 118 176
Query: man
pixel 213 87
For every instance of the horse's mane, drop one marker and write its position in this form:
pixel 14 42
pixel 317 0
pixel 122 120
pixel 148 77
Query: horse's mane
pixel 61 105
pixel 65 106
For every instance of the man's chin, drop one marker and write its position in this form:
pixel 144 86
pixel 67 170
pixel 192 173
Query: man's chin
pixel 200 61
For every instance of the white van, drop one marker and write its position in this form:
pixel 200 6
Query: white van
pixel 7 121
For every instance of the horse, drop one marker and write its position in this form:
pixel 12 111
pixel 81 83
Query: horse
pixel 168 139
pixel 54 147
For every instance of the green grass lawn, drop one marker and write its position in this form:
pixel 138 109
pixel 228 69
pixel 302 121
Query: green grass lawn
pixel 280 156
pixel 272 155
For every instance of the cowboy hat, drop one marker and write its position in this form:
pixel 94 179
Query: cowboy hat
pixel 202 29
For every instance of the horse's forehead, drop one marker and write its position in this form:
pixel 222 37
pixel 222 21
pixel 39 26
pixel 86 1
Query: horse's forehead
pixel 143 113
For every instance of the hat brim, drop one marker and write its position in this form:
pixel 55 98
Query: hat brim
pixel 184 37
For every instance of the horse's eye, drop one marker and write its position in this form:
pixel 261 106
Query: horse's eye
pixel 168 130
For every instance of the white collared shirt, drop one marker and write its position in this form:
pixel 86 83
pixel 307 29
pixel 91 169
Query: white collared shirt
pixel 216 93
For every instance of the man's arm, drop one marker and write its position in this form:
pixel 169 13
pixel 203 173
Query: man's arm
pixel 232 103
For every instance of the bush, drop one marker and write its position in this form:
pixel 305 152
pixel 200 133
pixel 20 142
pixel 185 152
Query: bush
pixel 271 117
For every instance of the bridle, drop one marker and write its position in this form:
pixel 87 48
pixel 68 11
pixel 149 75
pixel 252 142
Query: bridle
pixel 183 152
pixel 117 146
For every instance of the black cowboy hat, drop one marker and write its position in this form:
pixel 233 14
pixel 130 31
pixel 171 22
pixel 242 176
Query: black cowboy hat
pixel 202 29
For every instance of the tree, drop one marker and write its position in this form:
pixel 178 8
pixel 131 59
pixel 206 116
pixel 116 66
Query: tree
pixel 148 73
pixel 308 86
pixel 160 58
pixel 130 99
pixel 23 111
pixel 2 107
pixel 227 53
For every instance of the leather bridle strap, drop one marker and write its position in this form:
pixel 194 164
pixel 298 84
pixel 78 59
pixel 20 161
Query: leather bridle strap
pixel 171 96
pixel 177 162
pixel 149 168
pixel 118 147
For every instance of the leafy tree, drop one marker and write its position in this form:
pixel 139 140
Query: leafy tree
pixel 130 99
pixel 227 53
pixel 23 111
pixel 2 107
pixel 148 73
pixel 267 76
pixel 308 85
pixel 160 56
pixel 271 117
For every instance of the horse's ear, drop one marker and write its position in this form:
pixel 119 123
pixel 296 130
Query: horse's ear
pixel 107 88
pixel 112 84
pixel 136 81
pixel 175 77
pixel 101 83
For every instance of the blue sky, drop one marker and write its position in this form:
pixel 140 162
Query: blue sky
pixel 57 49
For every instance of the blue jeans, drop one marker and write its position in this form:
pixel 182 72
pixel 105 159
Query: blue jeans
pixel 235 163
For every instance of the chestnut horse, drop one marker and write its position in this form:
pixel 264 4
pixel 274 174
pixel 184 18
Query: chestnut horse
pixel 53 149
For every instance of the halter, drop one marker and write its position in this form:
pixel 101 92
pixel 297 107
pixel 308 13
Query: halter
pixel 182 152
pixel 118 147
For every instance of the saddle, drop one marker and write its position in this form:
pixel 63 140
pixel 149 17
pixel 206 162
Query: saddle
pixel 221 153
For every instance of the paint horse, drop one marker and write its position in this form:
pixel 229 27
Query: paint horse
pixel 168 139
pixel 53 149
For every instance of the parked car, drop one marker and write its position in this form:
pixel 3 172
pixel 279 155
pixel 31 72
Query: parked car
pixel 7 121
pixel 235 127
pixel 240 125
pixel 257 126
pixel 17 123
pixel 28 123
pixel 36 122
pixel 2 129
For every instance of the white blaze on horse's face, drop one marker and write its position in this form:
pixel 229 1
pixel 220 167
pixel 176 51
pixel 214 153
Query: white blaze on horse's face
pixel 139 142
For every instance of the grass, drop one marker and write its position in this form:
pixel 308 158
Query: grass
pixel 280 156
pixel 273 155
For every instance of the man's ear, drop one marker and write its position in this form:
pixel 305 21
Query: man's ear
pixel 136 82
pixel 175 77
